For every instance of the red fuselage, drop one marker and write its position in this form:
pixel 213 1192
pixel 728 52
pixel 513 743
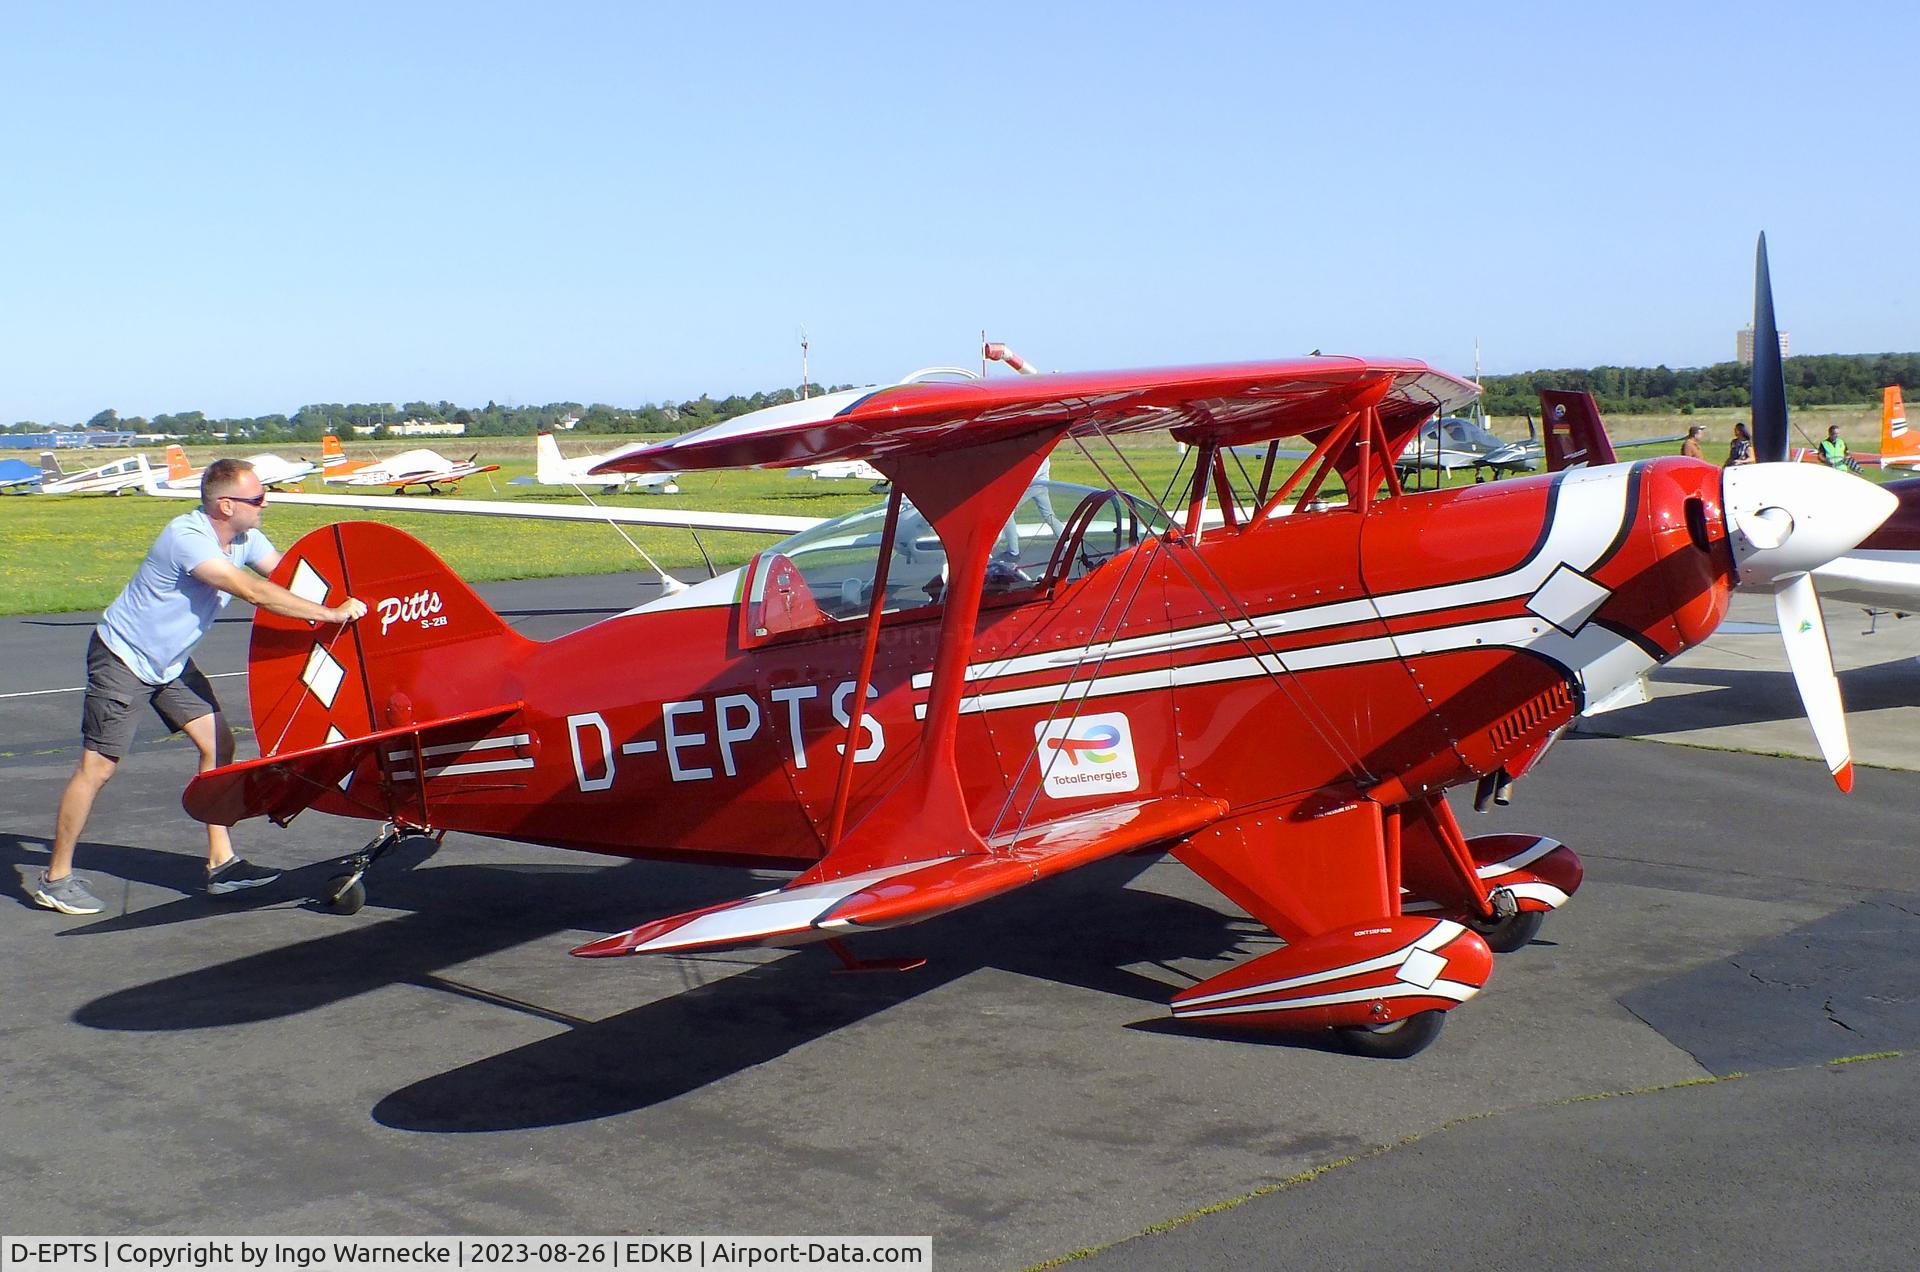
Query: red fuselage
pixel 1432 640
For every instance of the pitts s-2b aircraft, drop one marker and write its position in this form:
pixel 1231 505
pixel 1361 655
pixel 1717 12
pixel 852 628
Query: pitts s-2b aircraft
pixel 1053 674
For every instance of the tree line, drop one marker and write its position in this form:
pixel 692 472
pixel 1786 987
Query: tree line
pixel 1821 379
pixel 1812 380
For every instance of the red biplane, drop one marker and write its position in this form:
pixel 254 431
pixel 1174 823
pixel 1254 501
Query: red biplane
pixel 1277 683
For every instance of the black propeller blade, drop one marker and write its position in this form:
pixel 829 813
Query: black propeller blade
pixel 1769 380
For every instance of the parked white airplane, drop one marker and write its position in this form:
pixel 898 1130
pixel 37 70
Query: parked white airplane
pixel 273 471
pixel 841 469
pixel 551 468
pixel 115 478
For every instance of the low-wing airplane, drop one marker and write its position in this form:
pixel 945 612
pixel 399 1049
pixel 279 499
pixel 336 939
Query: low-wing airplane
pixel 1453 442
pixel 842 470
pixel 274 472
pixel 18 474
pixel 427 469
pixel 551 468
pixel 115 477
pixel 1281 702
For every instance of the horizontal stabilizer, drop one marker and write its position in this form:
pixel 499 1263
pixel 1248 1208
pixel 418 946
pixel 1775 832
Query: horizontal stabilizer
pixel 816 907
pixel 279 786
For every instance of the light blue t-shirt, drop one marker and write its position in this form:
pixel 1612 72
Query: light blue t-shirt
pixel 163 611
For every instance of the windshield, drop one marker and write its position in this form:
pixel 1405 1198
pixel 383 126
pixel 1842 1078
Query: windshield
pixel 834 564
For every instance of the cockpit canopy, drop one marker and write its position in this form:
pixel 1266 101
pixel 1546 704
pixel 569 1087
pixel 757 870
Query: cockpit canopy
pixel 822 578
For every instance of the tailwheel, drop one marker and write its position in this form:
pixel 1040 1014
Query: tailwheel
pixel 1396 1040
pixel 1505 933
pixel 345 894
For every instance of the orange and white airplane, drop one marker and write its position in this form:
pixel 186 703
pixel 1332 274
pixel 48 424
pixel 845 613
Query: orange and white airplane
pixel 426 468
pixel 274 472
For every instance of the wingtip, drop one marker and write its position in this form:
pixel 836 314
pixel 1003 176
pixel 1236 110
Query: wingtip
pixel 606 947
pixel 1843 777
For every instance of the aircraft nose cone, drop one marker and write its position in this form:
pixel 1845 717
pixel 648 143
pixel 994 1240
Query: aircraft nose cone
pixel 1785 519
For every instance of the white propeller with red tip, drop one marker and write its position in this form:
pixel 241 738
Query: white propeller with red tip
pixel 1786 520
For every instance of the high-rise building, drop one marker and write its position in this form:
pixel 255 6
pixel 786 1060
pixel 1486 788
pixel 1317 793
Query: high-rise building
pixel 1743 345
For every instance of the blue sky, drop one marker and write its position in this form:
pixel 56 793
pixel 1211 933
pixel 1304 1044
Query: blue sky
pixel 244 208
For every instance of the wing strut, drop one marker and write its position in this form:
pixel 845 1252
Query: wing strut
pixel 966 495
pixel 844 791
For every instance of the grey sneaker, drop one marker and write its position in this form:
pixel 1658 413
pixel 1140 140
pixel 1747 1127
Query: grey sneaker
pixel 67 895
pixel 237 873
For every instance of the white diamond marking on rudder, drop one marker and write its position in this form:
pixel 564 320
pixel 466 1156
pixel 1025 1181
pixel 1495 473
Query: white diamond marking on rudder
pixel 334 735
pixel 1568 599
pixel 308 585
pixel 1422 968
pixel 323 675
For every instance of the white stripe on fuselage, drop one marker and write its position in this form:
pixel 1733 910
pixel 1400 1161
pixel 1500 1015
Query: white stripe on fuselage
pixel 1589 513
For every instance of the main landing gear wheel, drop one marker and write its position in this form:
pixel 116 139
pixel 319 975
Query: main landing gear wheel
pixel 1509 932
pixel 1395 1041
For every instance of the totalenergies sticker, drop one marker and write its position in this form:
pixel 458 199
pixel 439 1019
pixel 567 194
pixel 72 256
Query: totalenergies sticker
pixel 1090 755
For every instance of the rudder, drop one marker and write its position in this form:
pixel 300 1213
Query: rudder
pixel 420 653
pixel 1895 439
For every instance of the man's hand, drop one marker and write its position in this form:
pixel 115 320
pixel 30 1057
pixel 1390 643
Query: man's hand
pixel 348 611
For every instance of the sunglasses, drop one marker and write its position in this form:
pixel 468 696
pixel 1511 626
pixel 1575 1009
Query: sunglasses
pixel 257 501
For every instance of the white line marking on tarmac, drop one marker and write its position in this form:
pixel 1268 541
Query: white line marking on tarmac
pixel 35 693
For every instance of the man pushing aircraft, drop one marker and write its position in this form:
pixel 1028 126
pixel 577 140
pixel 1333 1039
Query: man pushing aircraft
pixel 141 648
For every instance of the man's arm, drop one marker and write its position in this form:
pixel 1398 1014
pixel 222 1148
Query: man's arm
pixel 271 596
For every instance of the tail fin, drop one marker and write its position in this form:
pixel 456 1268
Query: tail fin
pixel 177 465
pixel 331 456
pixel 1575 436
pixel 1895 439
pixel 548 467
pixel 50 464
pixel 429 647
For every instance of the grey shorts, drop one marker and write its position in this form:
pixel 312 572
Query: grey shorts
pixel 106 719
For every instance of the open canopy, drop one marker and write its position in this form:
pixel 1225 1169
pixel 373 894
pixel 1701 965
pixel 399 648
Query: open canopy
pixel 1228 404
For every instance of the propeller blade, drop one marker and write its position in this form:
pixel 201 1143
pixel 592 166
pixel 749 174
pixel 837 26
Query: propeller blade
pixel 1805 632
pixel 1769 378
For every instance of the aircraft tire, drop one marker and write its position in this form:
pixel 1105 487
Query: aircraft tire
pixel 345 899
pixel 1505 935
pixel 1397 1041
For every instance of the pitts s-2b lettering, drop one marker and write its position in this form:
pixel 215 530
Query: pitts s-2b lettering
pixel 1277 683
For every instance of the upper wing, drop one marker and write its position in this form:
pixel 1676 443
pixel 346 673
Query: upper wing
pixel 817 905
pixel 746 522
pixel 1227 405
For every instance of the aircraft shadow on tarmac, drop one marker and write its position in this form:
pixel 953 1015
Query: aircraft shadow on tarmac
pixel 1754 697
pixel 1085 930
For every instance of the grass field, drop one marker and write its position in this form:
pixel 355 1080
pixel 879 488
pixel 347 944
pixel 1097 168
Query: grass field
pixel 75 552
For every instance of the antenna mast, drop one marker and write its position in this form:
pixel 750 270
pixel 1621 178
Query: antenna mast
pixel 804 382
